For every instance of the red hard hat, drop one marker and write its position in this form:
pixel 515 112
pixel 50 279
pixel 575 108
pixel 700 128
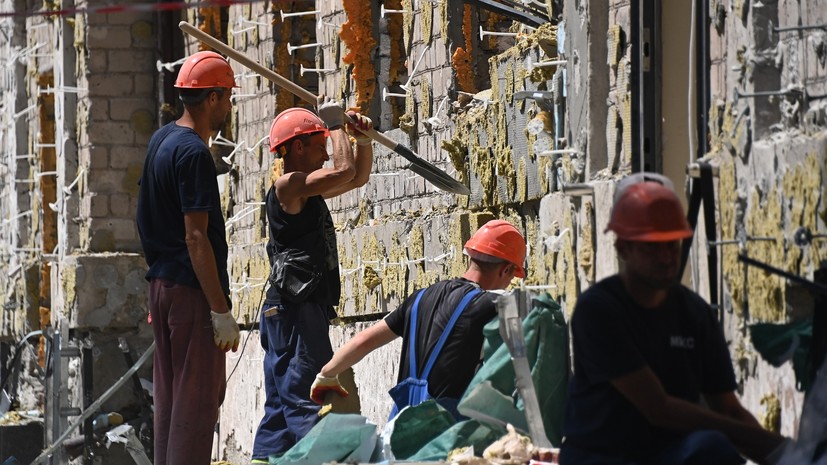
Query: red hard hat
pixel 204 70
pixel 294 122
pixel 648 212
pixel 500 239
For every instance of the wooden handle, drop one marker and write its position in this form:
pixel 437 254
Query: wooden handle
pixel 433 174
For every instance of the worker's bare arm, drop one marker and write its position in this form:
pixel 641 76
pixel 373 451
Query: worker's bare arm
pixel 203 259
pixel 643 389
pixel 357 348
pixel 363 162
pixel 363 159
pixel 295 187
pixel 727 403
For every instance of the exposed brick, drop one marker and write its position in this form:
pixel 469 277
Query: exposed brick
pixel 117 19
pixel 111 182
pixel 123 229
pixel 131 60
pixel 112 133
pixel 98 157
pixel 111 85
pixel 119 204
pixel 107 37
pixel 123 108
pixel 97 63
pixel 99 109
pixel 144 85
pixel 98 205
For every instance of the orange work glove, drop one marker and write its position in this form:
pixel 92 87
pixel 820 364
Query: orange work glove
pixel 322 385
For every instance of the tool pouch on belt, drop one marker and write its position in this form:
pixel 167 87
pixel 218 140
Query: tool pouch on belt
pixel 294 275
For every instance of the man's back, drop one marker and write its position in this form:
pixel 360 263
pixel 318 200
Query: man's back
pixel 179 176
pixel 460 356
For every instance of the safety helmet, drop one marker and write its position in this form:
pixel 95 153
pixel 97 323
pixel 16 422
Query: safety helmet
pixel 648 211
pixel 499 239
pixel 204 70
pixel 294 122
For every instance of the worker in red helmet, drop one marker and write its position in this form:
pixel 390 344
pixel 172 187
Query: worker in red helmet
pixel 181 226
pixel 304 283
pixel 653 380
pixel 443 322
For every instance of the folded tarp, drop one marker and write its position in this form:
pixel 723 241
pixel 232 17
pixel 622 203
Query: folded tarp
pixel 490 397
pixel 337 437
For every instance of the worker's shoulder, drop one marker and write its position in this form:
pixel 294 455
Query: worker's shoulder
pixel 456 288
pixel 607 288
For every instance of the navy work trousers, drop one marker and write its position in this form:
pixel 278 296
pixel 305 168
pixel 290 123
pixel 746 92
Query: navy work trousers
pixel 296 346
pixel 698 448
pixel 188 374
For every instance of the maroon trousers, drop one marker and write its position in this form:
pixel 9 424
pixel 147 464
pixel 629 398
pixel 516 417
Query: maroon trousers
pixel 189 374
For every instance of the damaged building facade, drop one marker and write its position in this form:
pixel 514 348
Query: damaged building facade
pixel 539 107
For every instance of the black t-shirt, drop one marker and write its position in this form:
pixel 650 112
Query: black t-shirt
pixel 179 177
pixel 312 231
pixel 460 355
pixel 681 341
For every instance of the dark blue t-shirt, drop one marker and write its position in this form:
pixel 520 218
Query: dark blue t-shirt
pixel 179 176
pixel 681 341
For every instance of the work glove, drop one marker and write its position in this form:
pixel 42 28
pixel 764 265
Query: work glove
pixel 225 331
pixel 331 112
pixel 357 131
pixel 322 385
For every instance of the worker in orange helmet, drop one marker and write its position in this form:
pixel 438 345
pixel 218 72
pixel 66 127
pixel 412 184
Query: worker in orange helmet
pixel 648 351
pixel 443 322
pixel 181 227
pixel 304 283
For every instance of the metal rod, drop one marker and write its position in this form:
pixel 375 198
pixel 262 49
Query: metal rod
pixel 800 28
pixel 792 277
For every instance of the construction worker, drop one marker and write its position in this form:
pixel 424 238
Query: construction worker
pixel 648 351
pixel 182 233
pixel 305 284
pixel 496 255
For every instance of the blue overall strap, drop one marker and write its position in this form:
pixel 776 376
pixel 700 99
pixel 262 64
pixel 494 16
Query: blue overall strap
pixel 412 332
pixel 447 332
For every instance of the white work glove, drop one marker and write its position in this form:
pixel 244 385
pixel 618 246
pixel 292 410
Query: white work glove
pixel 322 385
pixel 224 331
pixel 331 112
pixel 357 131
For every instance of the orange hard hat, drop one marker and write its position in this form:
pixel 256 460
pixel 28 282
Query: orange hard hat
pixel 648 212
pixel 294 122
pixel 500 239
pixel 204 70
